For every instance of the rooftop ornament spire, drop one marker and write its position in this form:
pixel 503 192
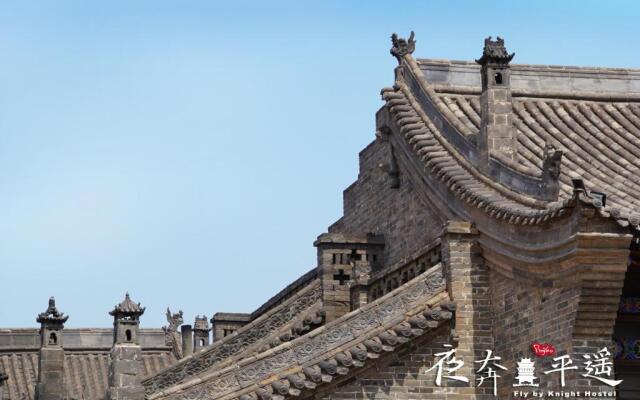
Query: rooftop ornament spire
pixel 51 314
pixel 402 47
pixel 498 136
pixel 494 52
pixel 127 310
pixel 201 323
pixel 51 371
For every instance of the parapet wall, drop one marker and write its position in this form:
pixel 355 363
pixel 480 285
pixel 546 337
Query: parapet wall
pixel 26 339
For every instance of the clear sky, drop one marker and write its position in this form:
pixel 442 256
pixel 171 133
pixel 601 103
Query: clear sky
pixel 191 151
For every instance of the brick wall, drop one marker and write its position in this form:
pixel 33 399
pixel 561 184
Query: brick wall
pixel 521 314
pixel 524 314
pixel 371 205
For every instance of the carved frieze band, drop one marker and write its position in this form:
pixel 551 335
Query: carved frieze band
pixel 232 345
pixel 379 313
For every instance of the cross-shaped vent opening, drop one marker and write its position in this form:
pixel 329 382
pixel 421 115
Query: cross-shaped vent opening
pixel 341 277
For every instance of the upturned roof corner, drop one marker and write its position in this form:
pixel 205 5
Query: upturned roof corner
pixel 402 47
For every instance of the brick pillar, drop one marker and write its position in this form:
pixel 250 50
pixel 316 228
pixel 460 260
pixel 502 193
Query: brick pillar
pixel 345 261
pixel 125 367
pixel 468 285
pixel 51 384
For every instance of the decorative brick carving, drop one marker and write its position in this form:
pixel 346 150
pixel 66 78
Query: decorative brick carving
pixel 262 368
pixel 364 322
pixel 231 345
pixel 338 335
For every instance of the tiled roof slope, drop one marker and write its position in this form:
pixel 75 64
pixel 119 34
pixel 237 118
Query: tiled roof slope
pixel 595 122
pixel 86 360
pixel 592 114
pixel 337 348
pixel 601 141
pixel 86 373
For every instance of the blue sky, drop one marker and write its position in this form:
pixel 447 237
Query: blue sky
pixel 191 151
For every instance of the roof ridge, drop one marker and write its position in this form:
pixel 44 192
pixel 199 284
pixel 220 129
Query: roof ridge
pixel 408 311
pixel 234 344
pixel 567 95
pixel 476 198
pixel 464 131
pixel 615 121
pixel 299 284
pixel 508 193
pixel 548 67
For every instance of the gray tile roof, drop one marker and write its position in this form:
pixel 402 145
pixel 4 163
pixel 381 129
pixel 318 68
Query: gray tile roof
pixel 598 130
pixel 86 360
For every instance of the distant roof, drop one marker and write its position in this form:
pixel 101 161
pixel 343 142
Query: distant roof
pixel 86 360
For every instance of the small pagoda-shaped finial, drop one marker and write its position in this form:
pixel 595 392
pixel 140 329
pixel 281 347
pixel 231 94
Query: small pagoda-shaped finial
pixel 201 333
pixel 51 314
pixel 494 52
pixel 201 323
pixel 127 309
pixel 401 46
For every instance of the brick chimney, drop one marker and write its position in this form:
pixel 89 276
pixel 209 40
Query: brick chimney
pixel 497 135
pixel 51 385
